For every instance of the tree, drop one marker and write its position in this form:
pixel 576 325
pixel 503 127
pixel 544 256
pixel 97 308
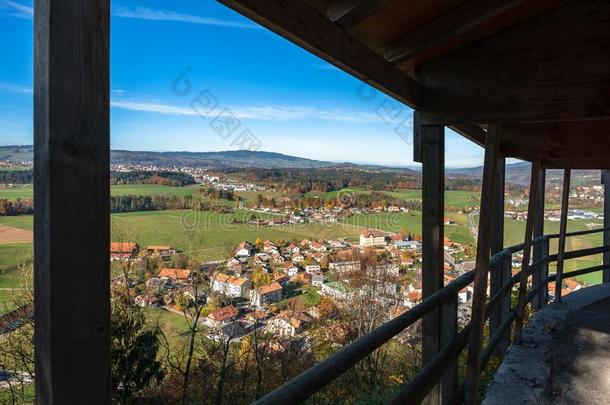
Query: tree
pixel 135 366
pixel 17 346
pixel 261 278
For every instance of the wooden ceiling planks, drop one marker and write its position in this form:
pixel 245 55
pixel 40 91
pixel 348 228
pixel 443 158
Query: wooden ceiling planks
pixel 555 67
pixel 463 18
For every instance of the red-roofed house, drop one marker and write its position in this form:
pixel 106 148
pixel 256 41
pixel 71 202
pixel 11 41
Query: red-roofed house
pixel 123 250
pixel 222 316
pixel 175 274
pixel 266 294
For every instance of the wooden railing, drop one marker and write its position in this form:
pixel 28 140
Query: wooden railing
pixel 498 311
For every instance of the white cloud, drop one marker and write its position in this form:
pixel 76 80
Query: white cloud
pixel 265 113
pixel 143 13
pixel 17 10
pixel 14 88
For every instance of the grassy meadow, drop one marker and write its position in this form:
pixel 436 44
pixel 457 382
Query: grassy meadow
pixel 27 191
pixel 454 199
pixel 514 232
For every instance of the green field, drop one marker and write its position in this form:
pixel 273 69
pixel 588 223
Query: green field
pixel 453 199
pixel 154 189
pixel 514 232
pixel 411 222
pixel 27 192
pixel 23 191
pixel 202 234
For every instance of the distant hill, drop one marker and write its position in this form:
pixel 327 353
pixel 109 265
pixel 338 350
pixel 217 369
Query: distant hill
pixel 517 173
pixel 227 159
pixel 17 153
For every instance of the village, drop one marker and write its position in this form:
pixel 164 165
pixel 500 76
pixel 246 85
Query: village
pixel 285 287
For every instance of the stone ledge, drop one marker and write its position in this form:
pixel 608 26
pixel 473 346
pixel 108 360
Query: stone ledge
pixel 525 374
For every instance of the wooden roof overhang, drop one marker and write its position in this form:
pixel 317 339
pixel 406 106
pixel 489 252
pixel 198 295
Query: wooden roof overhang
pixel 541 68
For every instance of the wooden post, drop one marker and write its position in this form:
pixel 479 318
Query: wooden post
pixel 606 257
pixel 527 247
pixel 563 225
pixel 72 193
pixel 430 139
pixel 498 276
pixel 449 328
pixel 541 248
pixel 482 265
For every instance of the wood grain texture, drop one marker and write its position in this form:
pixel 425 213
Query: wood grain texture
pixel 349 13
pixel 497 277
pixel 482 265
pixel 563 226
pixel 459 19
pixel 541 249
pixel 554 67
pixel 71 192
pixel 527 247
pixel 573 143
pixel 433 170
pixel 606 257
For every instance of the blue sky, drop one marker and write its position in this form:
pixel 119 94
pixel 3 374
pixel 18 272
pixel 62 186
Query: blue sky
pixel 284 98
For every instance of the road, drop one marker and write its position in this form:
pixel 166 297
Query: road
pixel 472 224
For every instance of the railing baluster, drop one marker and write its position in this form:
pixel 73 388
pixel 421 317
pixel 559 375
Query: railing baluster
pixel 539 251
pixel 448 334
pixel 527 247
pixel 562 233
pixel 606 258
pixel 482 265
pixel 506 270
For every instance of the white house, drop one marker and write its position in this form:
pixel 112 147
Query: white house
pixel 244 249
pixel 286 324
pixel 317 280
pixel 312 268
pixel 266 294
pixel 344 266
pixel 372 237
pixel 390 269
pixel 291 269
pixel 231 286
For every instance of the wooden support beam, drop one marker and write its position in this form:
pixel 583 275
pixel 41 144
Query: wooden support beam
pixel 302 24
pixel 433 190
pixel 456 21
pixel 527 248
pixel 482 265
pixel 349 13
pixel 563 225
pixel 606 259
pixel 541 249
pixel 556 144
pixel 498 276
pixel 72 194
